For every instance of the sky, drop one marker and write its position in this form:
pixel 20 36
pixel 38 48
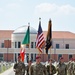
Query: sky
pixel 17 13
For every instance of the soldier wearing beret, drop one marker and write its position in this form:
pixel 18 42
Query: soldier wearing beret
pixel 19 67
pixel 51 68
pixel 61 67
pixel 38 68
pixel 70 67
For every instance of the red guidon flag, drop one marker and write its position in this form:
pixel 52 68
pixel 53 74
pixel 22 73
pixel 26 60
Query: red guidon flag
pixel 22 53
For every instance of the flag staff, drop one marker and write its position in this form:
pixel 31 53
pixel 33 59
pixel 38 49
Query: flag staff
pixel 49 39
pixel 29 44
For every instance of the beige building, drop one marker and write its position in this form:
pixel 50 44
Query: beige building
pixel 10 41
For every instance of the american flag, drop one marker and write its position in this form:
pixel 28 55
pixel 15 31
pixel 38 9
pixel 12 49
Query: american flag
pixel 40 38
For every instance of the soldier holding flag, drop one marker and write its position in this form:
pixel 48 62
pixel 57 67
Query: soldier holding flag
pixel 38 68
pixel 62 67
pixel 51 68
pixel 19 67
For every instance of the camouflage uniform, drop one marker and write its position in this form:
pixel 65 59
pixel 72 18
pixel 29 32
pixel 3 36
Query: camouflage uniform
pixel 38 69
pixel 52 69
pixel 62 69
pixel 19 68
pixel 74 68
pixel 69 68
pixel 27 69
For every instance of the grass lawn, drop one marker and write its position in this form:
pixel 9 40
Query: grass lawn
pixel 4 68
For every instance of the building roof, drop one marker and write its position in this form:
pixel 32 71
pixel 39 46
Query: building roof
pixel 55 34
pixel 23 29
pixel 61 35
pixel 5 34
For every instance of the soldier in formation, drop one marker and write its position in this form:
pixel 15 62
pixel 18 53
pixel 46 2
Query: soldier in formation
pixel 71 67
pixel 19 67
pixel 51 68
pixel 38 68
pixel 62 67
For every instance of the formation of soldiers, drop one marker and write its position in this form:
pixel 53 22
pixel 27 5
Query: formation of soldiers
pixel 37 68
pixel 71 67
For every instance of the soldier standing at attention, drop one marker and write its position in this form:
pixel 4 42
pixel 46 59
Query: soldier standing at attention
pixel 69 67
pixel 38 68
pixel 51 68
pixel 19 67
pixel 61 67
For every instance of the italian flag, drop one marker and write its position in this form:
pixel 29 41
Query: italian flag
pixel 25 41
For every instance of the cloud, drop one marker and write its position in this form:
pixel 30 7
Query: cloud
pixel 67 9
pixel 13 6
pixel 54 9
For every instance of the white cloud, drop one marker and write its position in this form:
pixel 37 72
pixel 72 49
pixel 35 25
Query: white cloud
pixel 46 7
pixel 13 6
pixel 67 9
pixel 54 9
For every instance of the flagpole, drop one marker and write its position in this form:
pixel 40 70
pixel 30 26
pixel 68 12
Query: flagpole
pixel 29 45
pixel 29 52
pixel 50 53
pixel 49 39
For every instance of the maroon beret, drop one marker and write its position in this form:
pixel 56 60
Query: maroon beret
pixel 71 59
pixel 51 60
pixel 19 57
pixel 37 57
pixel 61 58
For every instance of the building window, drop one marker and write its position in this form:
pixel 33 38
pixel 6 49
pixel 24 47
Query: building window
pixel 2 45
pixel 1 57
pixel 27 57
pixel 67 46
pixel 19 44
pixel 15 44
pixel 32 44
pixel 57 46
pixel 70 56
pixel 60 55
pixel 35 44
pixel 32 57
pixel 48 56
